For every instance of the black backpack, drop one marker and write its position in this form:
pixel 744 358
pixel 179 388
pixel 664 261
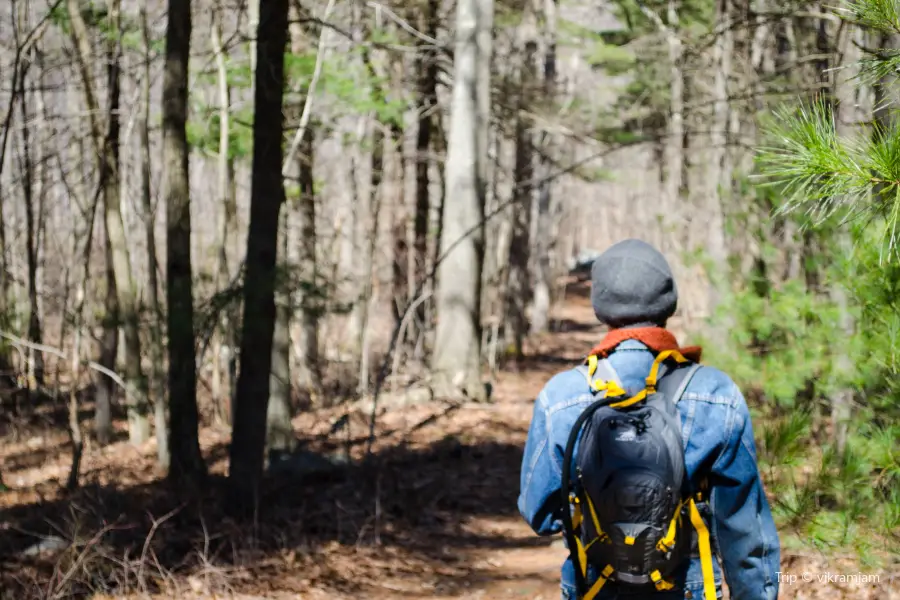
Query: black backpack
pixel 630 509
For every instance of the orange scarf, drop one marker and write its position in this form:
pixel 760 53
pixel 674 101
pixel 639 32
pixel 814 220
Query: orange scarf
pixel 656 339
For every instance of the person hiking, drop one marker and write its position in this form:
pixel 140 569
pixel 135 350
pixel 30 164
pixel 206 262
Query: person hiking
pixel 645 460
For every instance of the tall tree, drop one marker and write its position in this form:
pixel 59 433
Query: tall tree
pixel 518 289
pixel 279 432
pixel 847 118
pixel 108 150
pixel 308 298
pixel 109 337
pixel 456 360
pixel 426 69
pixel 186 461
pixel 32 186
pixel 267 195
pixel 543 244
pixel 157 387
pixel 226 326
pixel 300 158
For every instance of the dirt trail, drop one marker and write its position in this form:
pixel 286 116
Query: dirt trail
pixel 438 520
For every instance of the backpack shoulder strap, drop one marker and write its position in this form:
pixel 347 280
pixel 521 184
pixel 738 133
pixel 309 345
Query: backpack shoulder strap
pixel 674 382
pixel 603 372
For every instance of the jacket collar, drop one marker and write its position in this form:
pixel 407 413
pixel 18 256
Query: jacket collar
pixel 657 339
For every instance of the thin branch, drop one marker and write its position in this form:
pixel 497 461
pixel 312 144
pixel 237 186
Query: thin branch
pixel 403 23
pixel 310 92
pixel 59 353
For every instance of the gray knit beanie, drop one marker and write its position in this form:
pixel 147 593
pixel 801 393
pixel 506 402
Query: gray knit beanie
pixel 632 285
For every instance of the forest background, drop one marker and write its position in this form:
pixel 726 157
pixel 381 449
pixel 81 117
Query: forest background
pixel 223 214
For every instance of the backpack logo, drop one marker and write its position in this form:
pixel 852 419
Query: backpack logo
pixel 627 436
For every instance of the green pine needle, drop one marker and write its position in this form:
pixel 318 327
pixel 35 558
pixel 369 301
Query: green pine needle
pixel 824 174
pixel 882 15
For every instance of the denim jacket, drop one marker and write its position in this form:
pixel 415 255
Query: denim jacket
pixel 718 442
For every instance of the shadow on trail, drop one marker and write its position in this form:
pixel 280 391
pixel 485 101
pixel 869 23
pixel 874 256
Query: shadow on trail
pixel 409 507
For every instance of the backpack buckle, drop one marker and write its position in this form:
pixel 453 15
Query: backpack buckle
pixel 660 583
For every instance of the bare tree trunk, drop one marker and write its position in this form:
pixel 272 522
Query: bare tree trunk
pixel 885 108
pixel 31 179
pixel 400 268
pixel 376 196
pixel 440 143
pixel 310 303
pixel 187 463
pixel 426 68
pixel 354 243
pixel 674 149
pixel 108 351
pixel 719 180
pixel 846 119
pixel 279 431
pixel 138 407
pixel 456 361
pixel 108 150
pixel 253 33
pixel 519 290
pixel 78 321
pixel 540 310
pixel 267 195
pixel 308 295
pixel 157 385
pixel 374 212
pixel 225 329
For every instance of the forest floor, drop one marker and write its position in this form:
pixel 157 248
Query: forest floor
pixel 432 516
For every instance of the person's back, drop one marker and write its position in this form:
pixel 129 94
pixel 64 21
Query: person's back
pixel 634 293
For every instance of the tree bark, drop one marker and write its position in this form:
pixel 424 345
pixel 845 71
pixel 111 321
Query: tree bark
pixel 674 149
pixel 157 387
pixel 108 351
pixel 78 320
pixel 718 179
pixel 108 151
pixel 309 300
pixel 885 108
pixel 400 231
pixel 540 310
pixel 267 195
pixel 138 407
pixel 32 185
pixel 426 69
pixel 518 288
pixel 226 326
pixel 364 307
pixel 228 227
pixel 456 361
pixel 846 120
pixel 280 438
pixel 373 204
pixel 187 463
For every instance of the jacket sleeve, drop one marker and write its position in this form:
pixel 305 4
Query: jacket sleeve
pixel 540 480
pixel 742 522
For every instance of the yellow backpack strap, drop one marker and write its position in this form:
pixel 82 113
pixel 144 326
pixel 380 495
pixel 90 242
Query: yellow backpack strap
pixel 614 389
pixel 601 535
pixel 598 585
pixel 633 400
pixel 601 377
pixel 660 359
pixel 667 542
pixel 706 558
